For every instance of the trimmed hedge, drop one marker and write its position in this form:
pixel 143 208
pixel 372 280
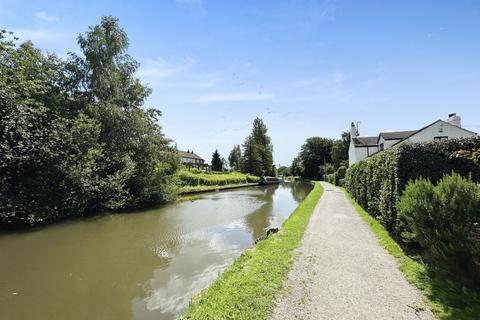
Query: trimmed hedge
pixel 188 178
pixel 377 183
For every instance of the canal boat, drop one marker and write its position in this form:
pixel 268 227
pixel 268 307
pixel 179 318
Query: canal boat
pixel 269 180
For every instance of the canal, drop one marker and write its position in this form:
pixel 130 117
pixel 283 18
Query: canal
pixel 138 265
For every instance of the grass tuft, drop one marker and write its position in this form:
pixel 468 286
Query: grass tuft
pixel 447 299
pixel 246 290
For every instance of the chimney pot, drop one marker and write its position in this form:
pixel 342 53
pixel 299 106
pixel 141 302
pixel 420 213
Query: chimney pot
pixel 455 120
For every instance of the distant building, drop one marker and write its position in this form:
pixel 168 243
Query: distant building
pixel 364 147
pixel 191 159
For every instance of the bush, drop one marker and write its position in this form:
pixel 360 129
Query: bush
pixel 341 172
pixel 377 183
pixel 188 178
pixel 445 221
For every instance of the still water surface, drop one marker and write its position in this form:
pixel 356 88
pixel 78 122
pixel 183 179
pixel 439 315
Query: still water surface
pixel 142 265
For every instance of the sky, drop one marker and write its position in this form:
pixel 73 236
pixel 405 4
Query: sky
pixel 306 67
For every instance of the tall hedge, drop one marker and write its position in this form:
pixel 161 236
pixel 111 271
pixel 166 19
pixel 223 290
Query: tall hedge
pixel 378 182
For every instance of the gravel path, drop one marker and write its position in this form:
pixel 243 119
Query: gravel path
pixel 343 273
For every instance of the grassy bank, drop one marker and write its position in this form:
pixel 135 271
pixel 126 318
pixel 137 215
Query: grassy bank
pixel 447 299
pixel 246 290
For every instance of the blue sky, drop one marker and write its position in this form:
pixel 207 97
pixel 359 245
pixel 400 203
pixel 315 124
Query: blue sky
pixel 308 68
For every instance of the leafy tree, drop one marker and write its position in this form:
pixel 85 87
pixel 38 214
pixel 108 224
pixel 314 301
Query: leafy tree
pixel 235 158
pixel 340 150
pixel 258 151
pixel 74 135
pixel 283 170
pixel 315 152
pixel 296 168
pixel 217 163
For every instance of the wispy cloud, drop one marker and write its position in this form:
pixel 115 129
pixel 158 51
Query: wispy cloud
pixel 42 15
pixel 235 97
pixel 156 69
pixel 39 35
pixel 198 4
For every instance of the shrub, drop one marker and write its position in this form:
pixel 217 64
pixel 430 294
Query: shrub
pixel 341 172
pixel 445 221
pixel 377 183
pixel 188 178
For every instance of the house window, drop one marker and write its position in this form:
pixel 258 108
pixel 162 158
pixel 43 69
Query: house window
pixel 382 147
pixel 440 138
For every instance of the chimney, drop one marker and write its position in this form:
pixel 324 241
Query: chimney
pixel 455 120
pixel 353 131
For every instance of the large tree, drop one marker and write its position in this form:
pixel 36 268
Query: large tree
pixel 217 163
pixel 235 158
pixel 74 135
pixel 315 152
pixel 258 151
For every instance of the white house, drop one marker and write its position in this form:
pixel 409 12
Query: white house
pixel 364 147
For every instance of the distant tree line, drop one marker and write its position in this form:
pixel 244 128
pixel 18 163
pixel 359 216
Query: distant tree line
pixel 319 157
pixel 74 135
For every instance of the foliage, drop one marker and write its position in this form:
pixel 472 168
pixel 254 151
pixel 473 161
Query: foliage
pixel 378 182
pixel 340 150
pixel 285 171
pixel 445 221
pixel 341 172
pixel 217 164
pixel 296 168
pixel 258 151
pixel 74 135
pixel 247 289
pixel 235 158
pixel 449 300
pixel 188 178
pixel 314 153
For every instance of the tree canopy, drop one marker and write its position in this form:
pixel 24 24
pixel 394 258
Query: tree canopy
pixel 74 135
pixel 258 151
pixel 235 158
pixel 315 152
pixel 217 163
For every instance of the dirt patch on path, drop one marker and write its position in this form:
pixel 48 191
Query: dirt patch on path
pixel 343 273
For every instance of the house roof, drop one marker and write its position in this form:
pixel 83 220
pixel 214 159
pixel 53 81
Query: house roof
pixel 365 141
pixel 189 155
pixel 431 124
pixel 397 135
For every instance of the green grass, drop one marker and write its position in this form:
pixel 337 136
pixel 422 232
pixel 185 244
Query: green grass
pixel 246 290
pixel 447 299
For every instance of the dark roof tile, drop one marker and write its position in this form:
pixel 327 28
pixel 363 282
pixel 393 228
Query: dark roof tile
pixel 189 155
pixel 365 141
pixel 397 135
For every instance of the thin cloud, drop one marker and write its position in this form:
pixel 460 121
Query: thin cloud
pixel 160 68
pixel 42 15
pixel 193 3
pixel 235 97
pixel 39 35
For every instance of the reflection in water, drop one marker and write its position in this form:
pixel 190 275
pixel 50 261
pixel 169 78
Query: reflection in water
pixel 135 266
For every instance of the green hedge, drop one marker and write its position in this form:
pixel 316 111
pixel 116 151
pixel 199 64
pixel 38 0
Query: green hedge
pixel 444 219
pixel 337 178
pixel 188 178
pixel 378 182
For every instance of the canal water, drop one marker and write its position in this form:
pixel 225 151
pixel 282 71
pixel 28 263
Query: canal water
pixel 139 265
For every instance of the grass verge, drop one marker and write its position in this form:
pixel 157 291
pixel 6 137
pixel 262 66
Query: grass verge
pixel 448 300
pixel 246 290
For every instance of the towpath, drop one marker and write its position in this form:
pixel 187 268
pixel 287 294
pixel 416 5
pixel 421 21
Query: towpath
pixel 343 273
